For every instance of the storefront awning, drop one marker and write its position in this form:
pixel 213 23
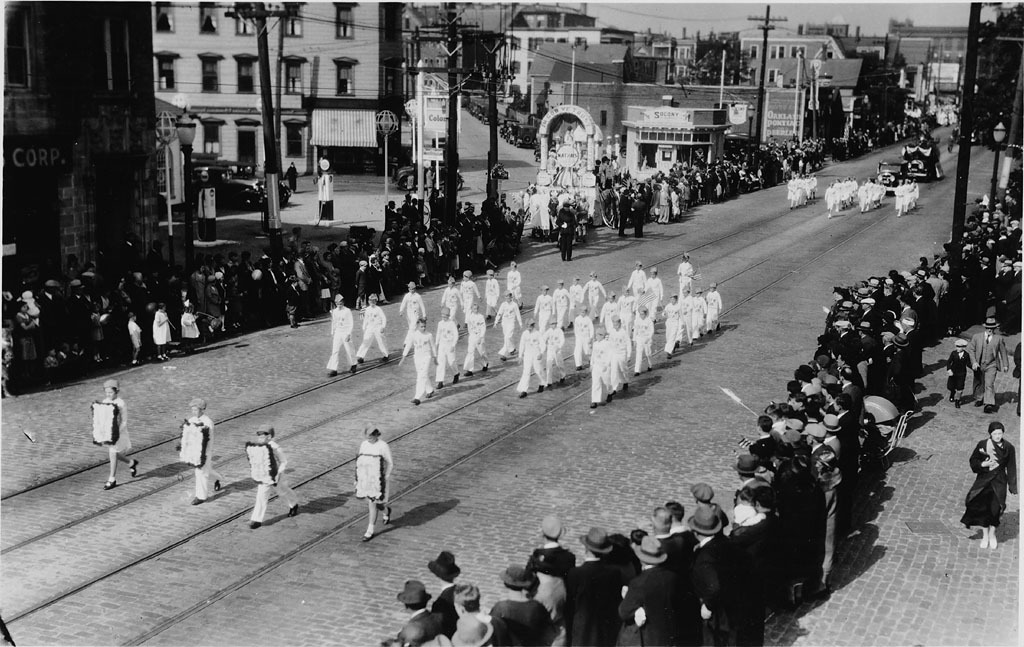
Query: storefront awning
pixel 343 128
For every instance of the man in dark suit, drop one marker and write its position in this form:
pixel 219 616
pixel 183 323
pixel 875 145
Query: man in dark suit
pixel 649 610
pixel 593 591
pixel 726 583
pixel 555 558
pixel 446 570
pixel 625 210
pixel 421 623
pixel 639 209
pixel 988 355
pixel 678 543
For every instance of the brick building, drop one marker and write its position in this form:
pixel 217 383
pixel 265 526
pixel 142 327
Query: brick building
pixel 79 143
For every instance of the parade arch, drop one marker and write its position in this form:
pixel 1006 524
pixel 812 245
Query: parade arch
pixel 579 133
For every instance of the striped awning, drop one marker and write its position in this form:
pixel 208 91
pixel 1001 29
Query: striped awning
pixel 343 128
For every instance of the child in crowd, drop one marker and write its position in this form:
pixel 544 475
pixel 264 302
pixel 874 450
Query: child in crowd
pixel 189 329
pixel 135 334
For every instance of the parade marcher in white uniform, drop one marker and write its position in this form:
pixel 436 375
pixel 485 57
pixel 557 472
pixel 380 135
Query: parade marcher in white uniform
pixel 686 316
pixel 714 305
pixel 508 316
pixel 554 343
pixel 412 306
pixel 637 280
pixel 698 315
pixel 563 305
pixel 643 339
pixel 531 355
pixel 595 292
pixel 447 337
pixel 577 297
pixel 374 323
pixel 341 336
pixel 685 274
pixel 373 479
pixel 469 294
pixel 622 346
pixel 477 326
pixel 421 343
pixel 627 311
pixel 119 449
pixel 543 308
pixel 265 436
pixel 655 287
pixel 514 283
pixel 583 337
pixel 206 476
pixel 609 311
pixel 601 365
pixel 451 298
pixel 492 295
pixel 673 325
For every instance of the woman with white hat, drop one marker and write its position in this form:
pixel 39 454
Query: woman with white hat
pixel 123 444
pixel 205 473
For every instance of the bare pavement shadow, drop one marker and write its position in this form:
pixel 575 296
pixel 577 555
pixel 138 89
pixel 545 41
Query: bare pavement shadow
pixel 419 515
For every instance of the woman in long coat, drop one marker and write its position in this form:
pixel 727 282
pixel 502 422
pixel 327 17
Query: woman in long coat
pixel 994 460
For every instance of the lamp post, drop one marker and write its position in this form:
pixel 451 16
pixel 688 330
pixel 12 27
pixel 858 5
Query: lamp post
pixel 998 135
pixel 166 130
pixel 186 135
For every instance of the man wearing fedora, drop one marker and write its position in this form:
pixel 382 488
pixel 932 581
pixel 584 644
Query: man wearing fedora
pixel 726 583
pixel 556 558
pixel 446 570
pixel 678 543
pixel 527 620
pixel 593 592
pixel 987 350
pixel 649 609
pixel 825 467
pixel 422 623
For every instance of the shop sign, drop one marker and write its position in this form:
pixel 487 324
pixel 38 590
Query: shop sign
pixel 567 156
pixel 738 114
pixel 780 119
pixel 668 117
pixel 36 153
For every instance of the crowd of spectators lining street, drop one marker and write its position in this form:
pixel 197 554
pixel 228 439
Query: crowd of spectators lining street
pixel 709 579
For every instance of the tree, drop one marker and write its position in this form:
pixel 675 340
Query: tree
pixel 707 70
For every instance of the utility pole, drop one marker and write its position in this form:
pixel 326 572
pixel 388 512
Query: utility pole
pixel 451 181
pixel 492 42
pixel 258 13
pixel 963 165
pixel 765 28
pixel 277 104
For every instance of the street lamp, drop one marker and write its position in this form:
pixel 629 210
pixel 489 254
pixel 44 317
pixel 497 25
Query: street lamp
pixel 166 130
pixel 998 135
pixel 186 135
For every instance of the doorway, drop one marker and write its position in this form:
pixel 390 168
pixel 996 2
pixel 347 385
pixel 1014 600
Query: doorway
pixel 247 147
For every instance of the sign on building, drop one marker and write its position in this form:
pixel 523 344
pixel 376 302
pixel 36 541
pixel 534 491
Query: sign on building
pixel 783 114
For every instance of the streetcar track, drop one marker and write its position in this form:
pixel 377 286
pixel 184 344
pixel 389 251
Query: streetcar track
pixel 223 592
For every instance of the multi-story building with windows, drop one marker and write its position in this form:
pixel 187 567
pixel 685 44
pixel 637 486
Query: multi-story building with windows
pixel 339 64
pixel 79 146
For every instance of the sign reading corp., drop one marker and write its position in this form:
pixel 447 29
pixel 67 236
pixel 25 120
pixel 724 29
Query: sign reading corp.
pixel 36 153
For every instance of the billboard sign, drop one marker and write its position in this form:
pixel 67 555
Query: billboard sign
pixel 783 114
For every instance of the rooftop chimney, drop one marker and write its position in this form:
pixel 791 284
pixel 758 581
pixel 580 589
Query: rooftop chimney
pixel 858 31
pixel 800 30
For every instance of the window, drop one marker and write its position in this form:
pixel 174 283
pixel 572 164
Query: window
pixel 343 21
pixel 247 146
pixel 164 17
pixel 774 76
pixel 293 22
pixel 345 79
pixel 244 27
pixel 580 41
pixel 392 13
pixel 293 140
pixel 165 72
pixel 777 51
pixel 211 138
pixel 293 77
pixel 753 51
pixel 117 74
pixel 16 61
pixel 246 80
pixel 391 79
pixel 604 117
pixel 798 50
pixel 211 80
pixel 207 18
pixel 516 66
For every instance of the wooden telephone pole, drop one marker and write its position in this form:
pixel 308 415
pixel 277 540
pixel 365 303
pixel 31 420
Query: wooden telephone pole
pixel 765 27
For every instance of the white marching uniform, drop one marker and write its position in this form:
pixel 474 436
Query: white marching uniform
pixel 422 345
pixel 451 299
pixel 622 346
pixel 698 315
pixel 673 329
pixel 206 476
pixel 492 294
pixel 643 338
pixel 576 297
pixel 583 338
pixel 609 311
pixel 531 354
pixel 447 337
pixel 469 294
pixel 627 310
pixel 714 305
pixel 477 326
pixel 413 308
pixel 341 337
pixel 637 282
pixel 508 315
pixel 595 292
pixel 554 342
pixel 514 284
pixel 563 305
pixel 686 317
pixel 685 274
pixel 259 511
pixel 655 286
pixel 543 309
pixel 601 362
pixel 374 322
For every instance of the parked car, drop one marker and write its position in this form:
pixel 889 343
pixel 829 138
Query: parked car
pixel 890 173
pixel 238 189
pixel 405 177
pixel 525 136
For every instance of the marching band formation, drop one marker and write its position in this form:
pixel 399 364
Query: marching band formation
pixel 842 194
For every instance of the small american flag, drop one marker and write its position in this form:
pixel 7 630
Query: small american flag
pixel 645 300
pixel 698 277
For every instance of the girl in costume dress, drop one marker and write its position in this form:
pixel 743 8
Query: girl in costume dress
pixel 123 445
pixel 994 461
pixel 161 331
pixel 205 474
pixel 274 479
pixel 373 478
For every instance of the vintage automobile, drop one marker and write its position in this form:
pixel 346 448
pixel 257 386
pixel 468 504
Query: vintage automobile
pixel 238 188
pixel 890 173
pixel 922 160
pixel 525 136
pixel 405 177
